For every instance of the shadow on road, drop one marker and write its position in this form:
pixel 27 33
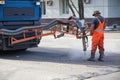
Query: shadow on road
pixel 57 55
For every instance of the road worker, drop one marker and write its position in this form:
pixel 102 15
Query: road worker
pixel 97 32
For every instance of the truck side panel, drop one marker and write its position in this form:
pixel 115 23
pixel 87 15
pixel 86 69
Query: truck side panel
pixel 15 14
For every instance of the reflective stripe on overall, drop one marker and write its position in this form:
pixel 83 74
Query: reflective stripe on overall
pixel 98 38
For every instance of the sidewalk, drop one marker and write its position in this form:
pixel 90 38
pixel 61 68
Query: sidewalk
pixel 113 76
pixel 112 29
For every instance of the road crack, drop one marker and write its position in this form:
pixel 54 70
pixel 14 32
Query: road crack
pixel 88 75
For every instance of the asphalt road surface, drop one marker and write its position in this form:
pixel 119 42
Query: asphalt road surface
pixel 62 59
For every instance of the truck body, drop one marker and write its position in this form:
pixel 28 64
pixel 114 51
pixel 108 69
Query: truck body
pixel 17 14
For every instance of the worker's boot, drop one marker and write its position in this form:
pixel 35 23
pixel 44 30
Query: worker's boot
pixel 101 56
pixel 92 57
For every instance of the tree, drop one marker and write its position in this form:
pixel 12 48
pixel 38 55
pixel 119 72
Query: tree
pixel 81 9
pixel 80 12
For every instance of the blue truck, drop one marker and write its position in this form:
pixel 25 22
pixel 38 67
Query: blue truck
pixel 20 26
pixel 17 16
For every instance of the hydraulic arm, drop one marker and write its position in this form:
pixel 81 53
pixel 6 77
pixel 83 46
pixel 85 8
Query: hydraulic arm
pixel 53 27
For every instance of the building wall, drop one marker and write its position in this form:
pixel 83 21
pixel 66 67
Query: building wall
pixel 114 8
pixel 101 5
pixel 54 10
pixel 109 9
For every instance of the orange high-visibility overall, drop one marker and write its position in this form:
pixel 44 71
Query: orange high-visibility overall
pixel 98 37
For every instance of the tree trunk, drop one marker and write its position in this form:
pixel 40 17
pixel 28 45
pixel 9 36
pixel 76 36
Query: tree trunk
pixel 81 9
